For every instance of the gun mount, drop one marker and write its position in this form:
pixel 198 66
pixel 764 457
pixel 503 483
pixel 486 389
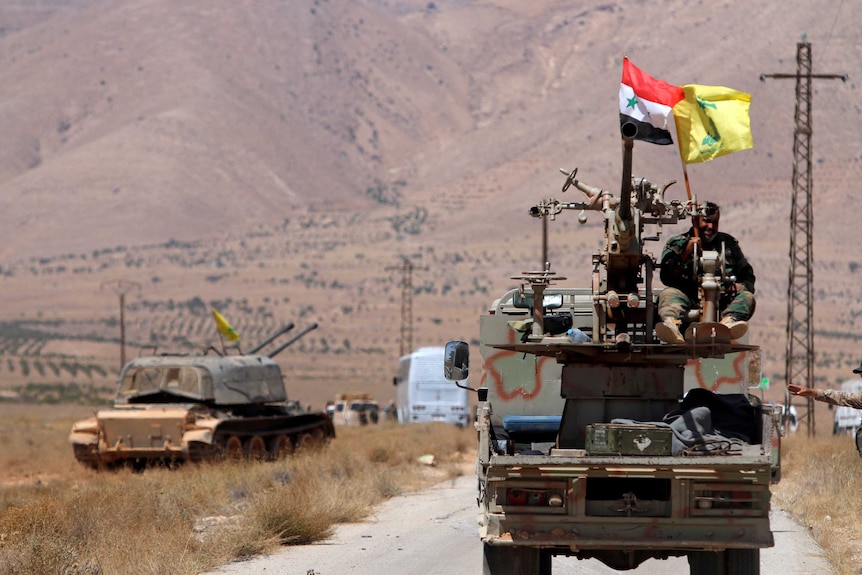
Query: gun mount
pixel 623 295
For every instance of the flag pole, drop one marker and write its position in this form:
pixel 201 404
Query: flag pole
pixel 221 341
pixel 684 165
pixel 687 184
pixel 688 190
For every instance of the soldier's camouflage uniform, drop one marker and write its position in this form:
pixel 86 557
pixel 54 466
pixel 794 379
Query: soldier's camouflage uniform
pixel 836 397
pixel 681 291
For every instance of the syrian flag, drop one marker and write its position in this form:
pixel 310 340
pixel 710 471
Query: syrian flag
pixel 648 104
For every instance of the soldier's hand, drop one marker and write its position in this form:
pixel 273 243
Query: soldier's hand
pixel 689 247
pixel 803 391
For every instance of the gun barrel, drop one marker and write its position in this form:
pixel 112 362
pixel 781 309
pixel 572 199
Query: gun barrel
pixel 293 339
pixel 629 131
pixel 271 338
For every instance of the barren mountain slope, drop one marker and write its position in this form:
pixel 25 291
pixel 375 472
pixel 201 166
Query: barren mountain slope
pixel 226 114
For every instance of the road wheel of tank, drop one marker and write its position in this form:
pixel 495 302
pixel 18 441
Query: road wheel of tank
pixel 304 442
pixel 232 448
pixel 256 448
pixel 199 452
pixel 87 454
pixel 706 562
pixel 506 560
pixel 742 562
pixel 310 440
pixel 280 447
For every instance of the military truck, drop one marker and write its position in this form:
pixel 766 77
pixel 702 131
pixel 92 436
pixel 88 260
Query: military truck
pixel 176 408
pixel 596 440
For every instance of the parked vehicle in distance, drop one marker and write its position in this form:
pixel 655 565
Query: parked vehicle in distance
pixel 847 419
pixel 423 394
pixel 354 409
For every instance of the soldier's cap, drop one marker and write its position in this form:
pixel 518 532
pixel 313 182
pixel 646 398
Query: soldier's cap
pixel 858 369
pixel 709 210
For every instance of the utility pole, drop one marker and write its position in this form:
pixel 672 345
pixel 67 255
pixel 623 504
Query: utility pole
pixel 799 361
pixel 121 288
pixel 406 338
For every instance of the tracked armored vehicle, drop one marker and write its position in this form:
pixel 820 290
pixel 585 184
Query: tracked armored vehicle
pixel 596 440
pixel 177 408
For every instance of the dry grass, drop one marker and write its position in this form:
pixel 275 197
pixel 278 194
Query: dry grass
pixel 58 517
pixel 820 487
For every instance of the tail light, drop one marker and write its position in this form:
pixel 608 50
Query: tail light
pixel 531 497
pixel 729 500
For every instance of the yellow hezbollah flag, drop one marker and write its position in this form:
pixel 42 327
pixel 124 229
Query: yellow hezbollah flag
pixel 712 121
pixel 224 327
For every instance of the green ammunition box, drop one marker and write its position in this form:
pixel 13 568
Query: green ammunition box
pixel 626 439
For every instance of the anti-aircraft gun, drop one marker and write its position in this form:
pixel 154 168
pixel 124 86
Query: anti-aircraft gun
pixel 598 441
pixel 174 408
pixel 618 294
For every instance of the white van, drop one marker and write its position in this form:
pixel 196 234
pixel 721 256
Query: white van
pixel 423 394
pixel 848 419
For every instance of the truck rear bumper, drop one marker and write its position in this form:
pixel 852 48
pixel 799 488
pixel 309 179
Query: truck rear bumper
pixel 707 534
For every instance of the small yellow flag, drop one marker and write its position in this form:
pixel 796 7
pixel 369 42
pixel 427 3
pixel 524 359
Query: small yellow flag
pixel 712 121
pixel 224 327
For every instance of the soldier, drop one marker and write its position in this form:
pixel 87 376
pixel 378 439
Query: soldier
pixel 736 304
pixel 832 396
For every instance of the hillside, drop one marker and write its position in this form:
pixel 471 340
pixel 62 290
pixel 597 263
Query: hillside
pixel 275 159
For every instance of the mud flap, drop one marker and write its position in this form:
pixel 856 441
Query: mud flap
pixel 512 560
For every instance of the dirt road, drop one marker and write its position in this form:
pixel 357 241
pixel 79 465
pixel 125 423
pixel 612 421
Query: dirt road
pixel 435 532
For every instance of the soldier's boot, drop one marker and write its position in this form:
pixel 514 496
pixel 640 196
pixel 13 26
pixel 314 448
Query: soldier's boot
pixel 668 331
pixel 736 326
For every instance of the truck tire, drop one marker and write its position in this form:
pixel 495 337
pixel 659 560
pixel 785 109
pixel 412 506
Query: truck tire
pixel 706 562
pixel 507 560
pixel 742 561
pixel 729 562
